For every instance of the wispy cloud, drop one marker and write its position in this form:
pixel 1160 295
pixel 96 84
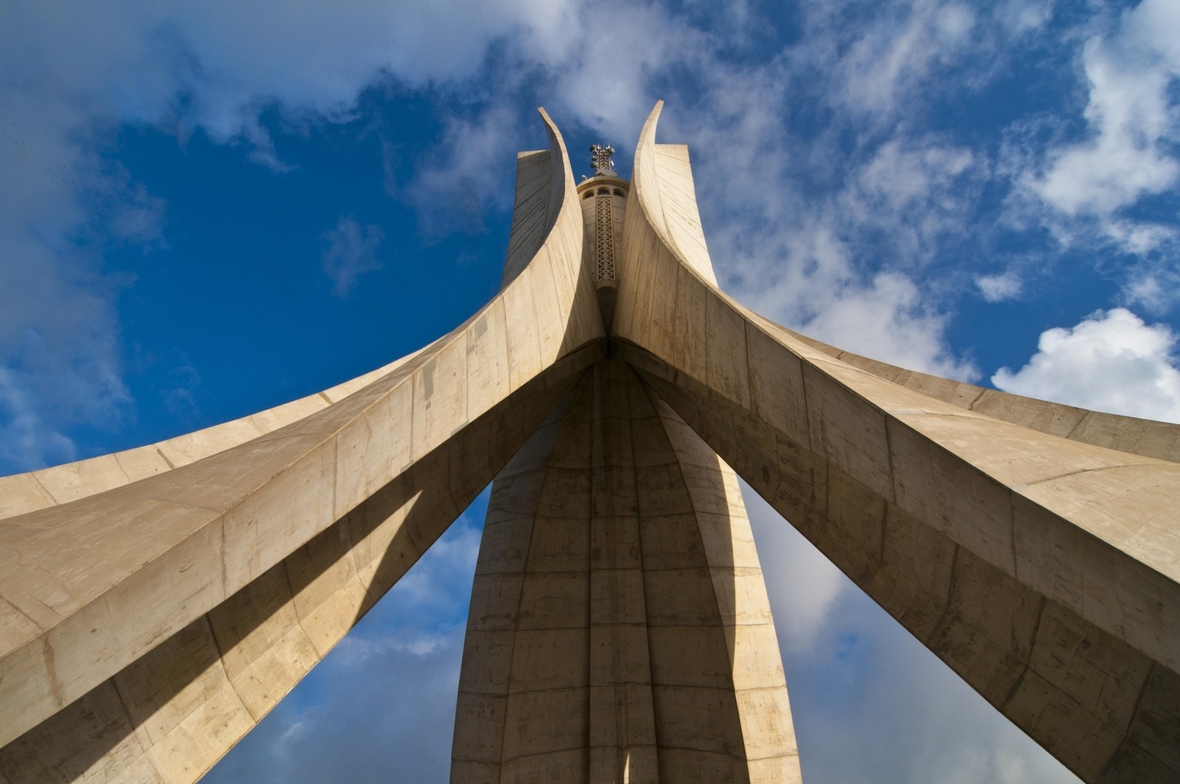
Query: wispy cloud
pixel 892 56
pixel 838 250
pixel 803 585
pixel 997 288
pixel 454 188
pixel 1108 176
pixel 1130 119
pixel 827 193
pixel 24 439
pixel 351 251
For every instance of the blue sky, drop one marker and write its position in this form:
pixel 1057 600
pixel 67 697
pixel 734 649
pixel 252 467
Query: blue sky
pixel 208 209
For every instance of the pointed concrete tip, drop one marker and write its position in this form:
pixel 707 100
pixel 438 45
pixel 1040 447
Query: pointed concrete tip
pixel 556 141
pixel 653 118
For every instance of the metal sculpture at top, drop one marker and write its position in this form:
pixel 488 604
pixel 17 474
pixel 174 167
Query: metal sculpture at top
pixel 600 160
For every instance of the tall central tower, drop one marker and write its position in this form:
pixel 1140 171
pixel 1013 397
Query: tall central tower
pixel 619 628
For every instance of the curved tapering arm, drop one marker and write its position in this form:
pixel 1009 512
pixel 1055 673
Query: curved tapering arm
pixel 179 607
pixel 1043 570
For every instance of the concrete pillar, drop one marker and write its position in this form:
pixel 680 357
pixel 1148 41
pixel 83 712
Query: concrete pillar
pixel 619 627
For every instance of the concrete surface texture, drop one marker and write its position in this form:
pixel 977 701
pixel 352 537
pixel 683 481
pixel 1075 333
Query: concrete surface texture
pixel 156 603
pixel 619 627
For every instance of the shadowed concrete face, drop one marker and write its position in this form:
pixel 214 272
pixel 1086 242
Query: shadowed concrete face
pixel 619 627
pixel 156 603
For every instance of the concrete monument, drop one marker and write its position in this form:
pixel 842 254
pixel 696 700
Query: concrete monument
pixel 156 603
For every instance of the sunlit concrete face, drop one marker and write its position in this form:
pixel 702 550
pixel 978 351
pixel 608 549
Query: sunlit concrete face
pixel 155 604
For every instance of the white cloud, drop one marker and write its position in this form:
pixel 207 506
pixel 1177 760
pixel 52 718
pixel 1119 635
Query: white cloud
pixel 837 243
pixel 997 288
pixel 351 252
pixel 887 320
pixel 1109 362
pixel 216 66
pixel 1132 125
pixel 1155 289
pixel 640 42
pixel 810 278
pixel 859 252
pixel 1125 160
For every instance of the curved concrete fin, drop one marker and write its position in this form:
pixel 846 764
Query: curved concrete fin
pixel 146 625
pixel 1126 434
pixel 1043 570
pixel 542 182
pixel 21 493
pixel 543 179
pixel 619 626
pixel 669 196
